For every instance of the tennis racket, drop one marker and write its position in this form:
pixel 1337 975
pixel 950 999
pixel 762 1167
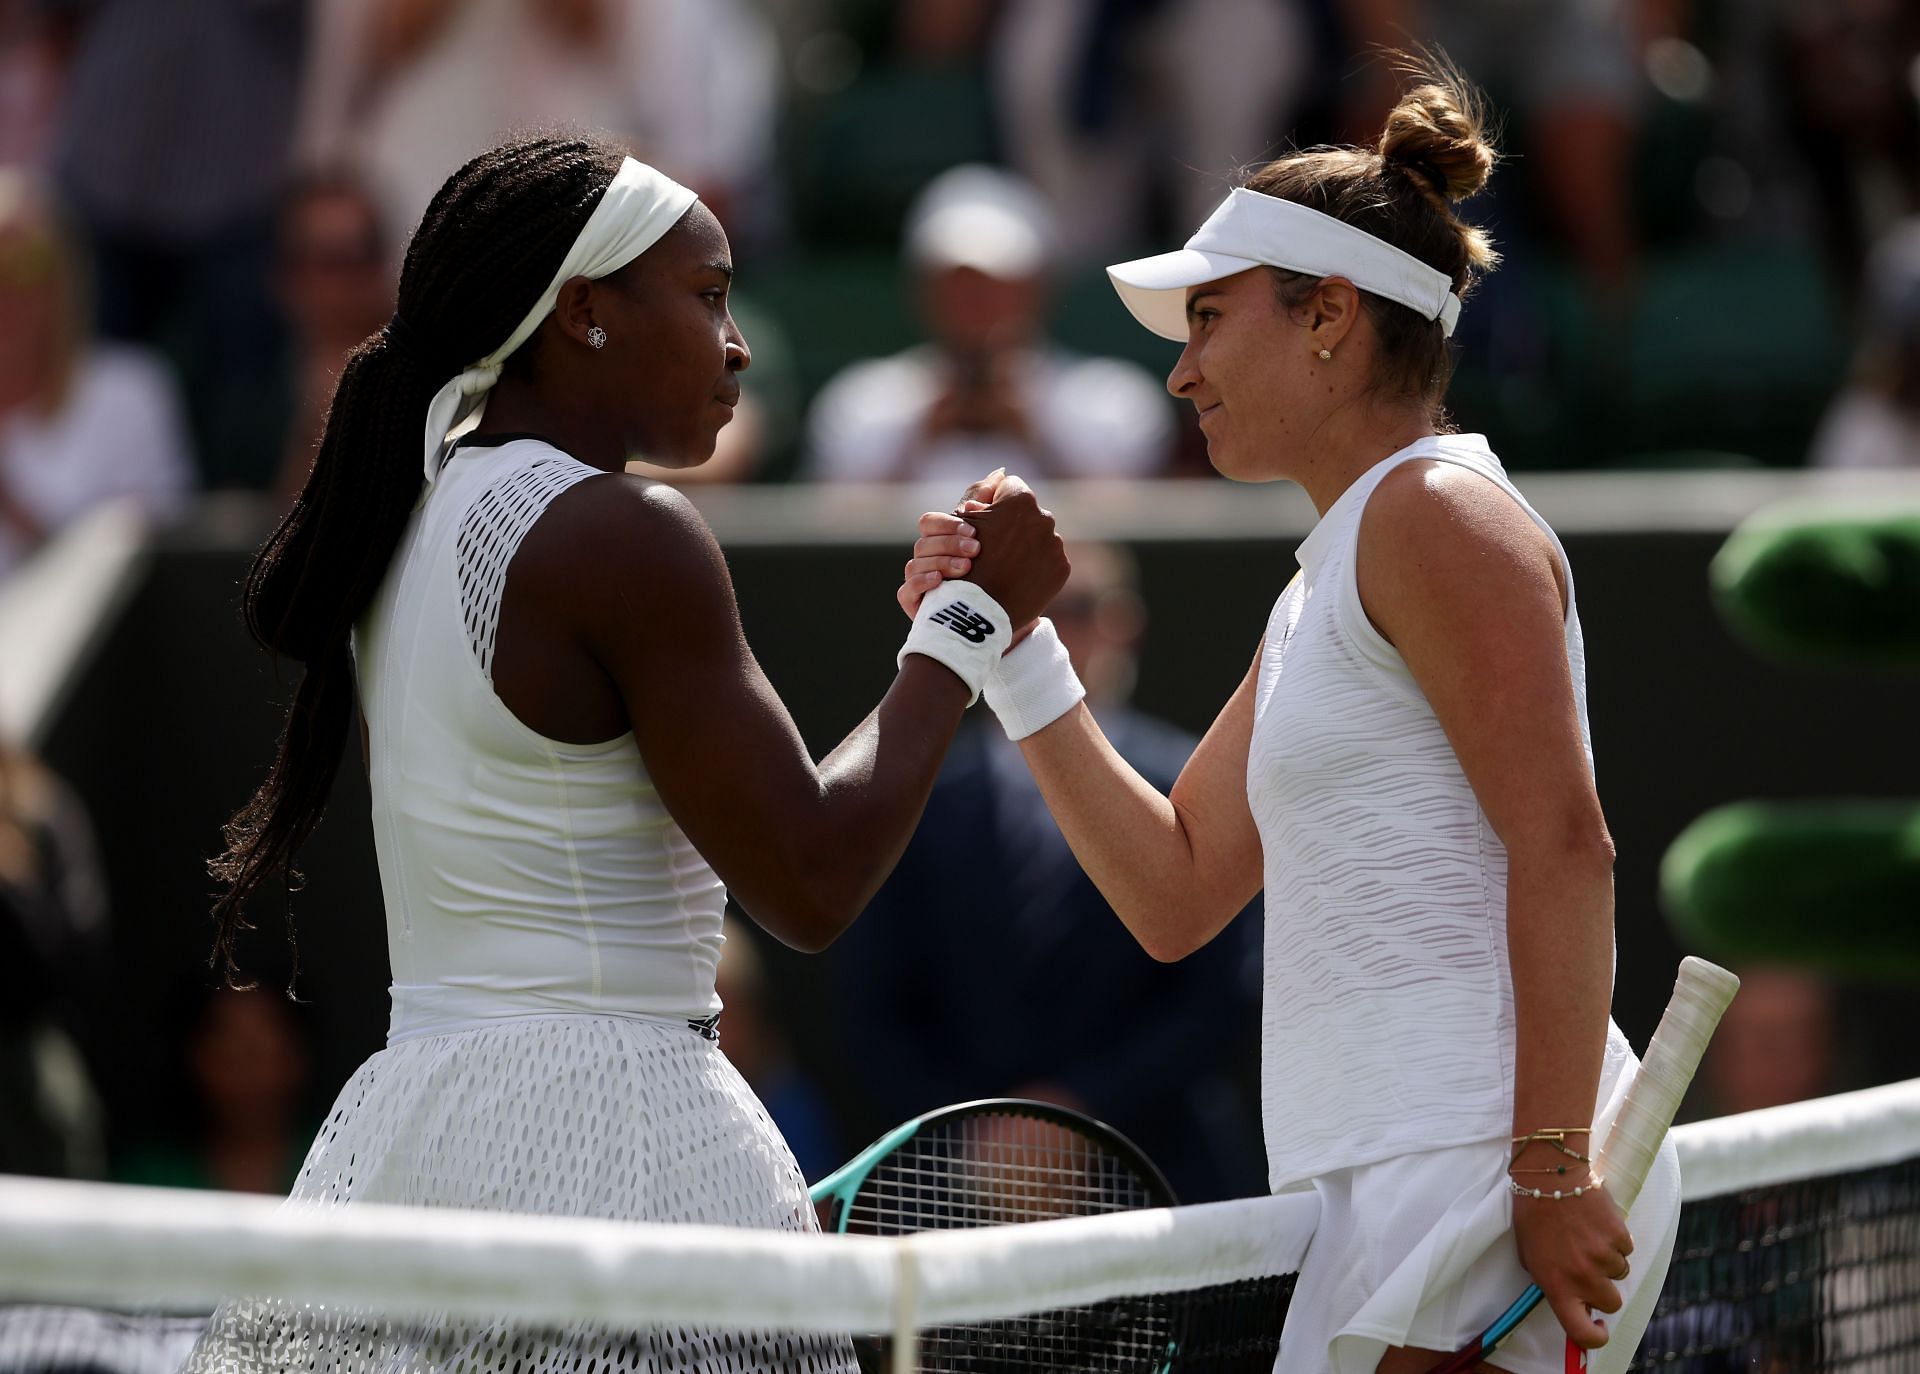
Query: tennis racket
pixel 988 1163
pixel 1700 997
pixel 1005 1160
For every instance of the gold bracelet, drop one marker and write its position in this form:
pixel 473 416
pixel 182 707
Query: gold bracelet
pixel 1555 1137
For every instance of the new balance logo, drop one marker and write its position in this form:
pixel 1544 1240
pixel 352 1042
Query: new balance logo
pixel 964 621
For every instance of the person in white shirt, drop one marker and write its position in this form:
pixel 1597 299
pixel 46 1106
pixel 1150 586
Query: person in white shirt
pixel 80 424
pixel 404 91
pixel 989 390
pixel 572 755
pixel 1406 770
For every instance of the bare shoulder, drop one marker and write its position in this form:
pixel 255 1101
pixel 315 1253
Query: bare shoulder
pixel 1441 547
pixel 622 521
pixel 1429 501
pixel 620 544
pixel 1427 517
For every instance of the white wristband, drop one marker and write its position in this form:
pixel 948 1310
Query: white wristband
pixel 959 625
pixel 1034 684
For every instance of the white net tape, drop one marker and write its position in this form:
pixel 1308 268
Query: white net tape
pixel 159 1249
pixel 104 1244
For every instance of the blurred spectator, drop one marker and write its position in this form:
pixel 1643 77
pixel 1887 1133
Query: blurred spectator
pixel 172 152
pixel 79 424
pixel 990 389
pixel 31 65
pixel 1849 69
pixel 53 930
pixel 335 281
pixel 989 965
pixel 406 91
pixel 251 1090
pixel 1875 422
pixel 1111 106
pixel 754 1042
pixel 1568 69
pixel 1777 1043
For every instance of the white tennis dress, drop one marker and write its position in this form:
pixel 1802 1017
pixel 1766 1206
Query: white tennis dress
pixel 553 937
pixel 1388 1023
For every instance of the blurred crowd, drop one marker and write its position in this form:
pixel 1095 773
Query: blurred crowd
pixel 1710 216
pixel 1707 216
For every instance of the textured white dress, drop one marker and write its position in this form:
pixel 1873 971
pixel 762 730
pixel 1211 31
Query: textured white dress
pixel 1387 1043
pixel 553 938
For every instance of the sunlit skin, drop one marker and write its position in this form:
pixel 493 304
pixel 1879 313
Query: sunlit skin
pixel 1271 408
pixel 1471 593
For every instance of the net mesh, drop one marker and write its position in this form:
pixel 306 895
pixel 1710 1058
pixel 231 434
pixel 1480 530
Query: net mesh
pixel 1798 1250
pixel 1814 1274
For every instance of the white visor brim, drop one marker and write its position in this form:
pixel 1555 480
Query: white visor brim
pixel 1155 289
pixel 1252 230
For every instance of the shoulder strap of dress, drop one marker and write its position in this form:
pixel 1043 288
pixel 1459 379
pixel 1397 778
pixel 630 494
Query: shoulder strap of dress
pixel 490 534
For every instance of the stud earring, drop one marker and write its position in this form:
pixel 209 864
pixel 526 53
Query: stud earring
pixel 597 336
pixel 1326 355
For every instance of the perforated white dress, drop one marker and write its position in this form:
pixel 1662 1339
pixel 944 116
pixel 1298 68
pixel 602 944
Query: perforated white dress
pixel 1387 1046
pixel 553 937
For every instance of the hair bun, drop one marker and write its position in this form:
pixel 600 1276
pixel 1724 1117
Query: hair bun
pixel 1436 134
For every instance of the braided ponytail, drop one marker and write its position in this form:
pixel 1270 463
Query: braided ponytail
pixel 488 245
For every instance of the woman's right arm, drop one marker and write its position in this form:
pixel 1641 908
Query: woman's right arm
pixel 801 846
pixel 1176 869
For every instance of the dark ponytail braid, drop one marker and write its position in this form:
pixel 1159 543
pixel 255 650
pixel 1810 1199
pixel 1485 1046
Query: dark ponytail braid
pixel 487 246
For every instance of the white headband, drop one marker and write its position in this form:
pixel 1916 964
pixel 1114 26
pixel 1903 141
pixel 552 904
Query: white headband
pixel 634 214
pixel 1250 230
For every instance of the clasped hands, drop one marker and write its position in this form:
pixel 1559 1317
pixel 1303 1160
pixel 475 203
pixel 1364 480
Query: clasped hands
pixel 999 538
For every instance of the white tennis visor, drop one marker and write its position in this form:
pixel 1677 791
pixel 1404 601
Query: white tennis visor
pixel 1253 230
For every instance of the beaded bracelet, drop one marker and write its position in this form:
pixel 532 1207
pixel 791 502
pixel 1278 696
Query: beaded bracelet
pixel 1520 1190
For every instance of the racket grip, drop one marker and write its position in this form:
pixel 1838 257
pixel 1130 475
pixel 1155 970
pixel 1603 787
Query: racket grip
pixel 1700 997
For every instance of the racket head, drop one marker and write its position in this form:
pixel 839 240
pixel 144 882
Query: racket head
pixel 999 1161
pixel 990 1162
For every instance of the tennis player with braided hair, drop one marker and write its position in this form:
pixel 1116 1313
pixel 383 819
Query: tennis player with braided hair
pixel 573 754
pixel 1405 769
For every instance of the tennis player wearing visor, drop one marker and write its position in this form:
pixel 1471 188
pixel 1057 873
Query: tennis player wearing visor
pixel 1406 769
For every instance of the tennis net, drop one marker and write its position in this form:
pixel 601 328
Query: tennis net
pixel 1799 1250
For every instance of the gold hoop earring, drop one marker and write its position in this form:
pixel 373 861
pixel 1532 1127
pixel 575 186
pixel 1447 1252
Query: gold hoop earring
pixel 1326 355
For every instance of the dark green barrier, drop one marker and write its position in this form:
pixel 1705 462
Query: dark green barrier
pixel 175 722
pixel 1832 886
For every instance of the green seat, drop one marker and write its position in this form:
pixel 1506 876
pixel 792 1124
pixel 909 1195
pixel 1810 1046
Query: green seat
pixel 861 157
pixel 1734 346
pixel 836 308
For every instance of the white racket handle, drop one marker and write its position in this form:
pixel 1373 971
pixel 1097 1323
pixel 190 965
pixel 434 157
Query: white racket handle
pixel 1700 996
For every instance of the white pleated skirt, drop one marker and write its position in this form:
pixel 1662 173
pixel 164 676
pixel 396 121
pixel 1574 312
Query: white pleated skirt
pixel 1418 1251
pixel 580 1116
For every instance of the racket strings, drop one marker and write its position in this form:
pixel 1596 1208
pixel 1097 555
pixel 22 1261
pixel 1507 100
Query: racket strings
pixel 994 1170
pixel 1001 1168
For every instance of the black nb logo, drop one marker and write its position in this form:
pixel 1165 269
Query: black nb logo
pixel 964 621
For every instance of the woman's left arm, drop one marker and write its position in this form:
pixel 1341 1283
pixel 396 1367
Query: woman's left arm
pixel 1471 593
